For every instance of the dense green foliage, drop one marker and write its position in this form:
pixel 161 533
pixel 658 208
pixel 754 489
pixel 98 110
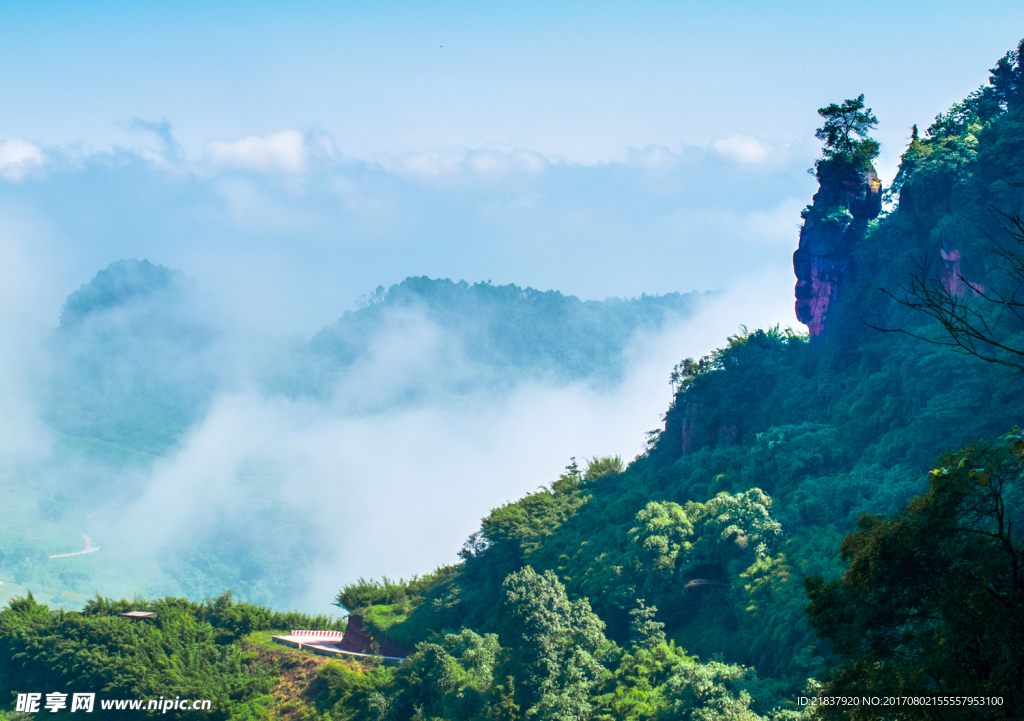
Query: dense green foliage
pixel 553 662
pixel 190 650
pixel 846 128
pixel 363 593
pixel 933 600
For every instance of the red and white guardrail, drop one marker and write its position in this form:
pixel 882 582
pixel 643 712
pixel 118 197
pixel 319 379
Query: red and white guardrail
pixel 319 634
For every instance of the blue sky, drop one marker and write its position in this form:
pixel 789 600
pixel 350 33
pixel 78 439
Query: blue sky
pixel 586 81
pixel 297 157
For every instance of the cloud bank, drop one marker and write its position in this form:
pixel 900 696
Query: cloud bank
pixel 286 231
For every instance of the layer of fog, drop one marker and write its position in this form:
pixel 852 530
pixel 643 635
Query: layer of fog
pixel 285 230
pixel 397 492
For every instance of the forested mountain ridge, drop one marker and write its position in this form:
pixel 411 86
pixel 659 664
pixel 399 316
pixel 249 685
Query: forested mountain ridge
pixel 866 477
pixel 512 332
pixel 136 358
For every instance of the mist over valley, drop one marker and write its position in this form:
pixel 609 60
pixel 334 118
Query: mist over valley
pixel 198 458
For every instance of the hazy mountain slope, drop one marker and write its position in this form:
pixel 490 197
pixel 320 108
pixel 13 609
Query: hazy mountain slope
pixel 509 333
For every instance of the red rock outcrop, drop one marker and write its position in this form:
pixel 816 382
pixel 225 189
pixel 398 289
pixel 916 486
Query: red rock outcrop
pixel 691 413
pixel 697 428
pixel 849 195
pixel 952 278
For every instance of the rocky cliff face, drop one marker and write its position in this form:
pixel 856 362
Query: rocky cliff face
pixel 849 195
pixel 360 639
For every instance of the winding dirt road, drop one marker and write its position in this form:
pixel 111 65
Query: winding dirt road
pixel 89 548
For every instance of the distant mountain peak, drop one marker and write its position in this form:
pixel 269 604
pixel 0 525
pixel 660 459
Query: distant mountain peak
pixel 119 284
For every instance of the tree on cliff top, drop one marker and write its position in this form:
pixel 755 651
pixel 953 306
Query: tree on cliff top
pixel 846 129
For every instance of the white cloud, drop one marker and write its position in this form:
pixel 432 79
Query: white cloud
pixel 284 261
pixel 743 149
pixel 18 157
pixel 281 152
pixel 342 226
pixel 252 209
pixel 459 165
pixel 654 157
pixel 775 228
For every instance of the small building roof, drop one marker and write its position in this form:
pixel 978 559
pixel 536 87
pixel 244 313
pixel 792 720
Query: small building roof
pixel 140 614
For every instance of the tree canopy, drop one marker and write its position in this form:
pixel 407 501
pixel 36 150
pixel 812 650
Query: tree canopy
pixel 846 128
pixel 933 600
